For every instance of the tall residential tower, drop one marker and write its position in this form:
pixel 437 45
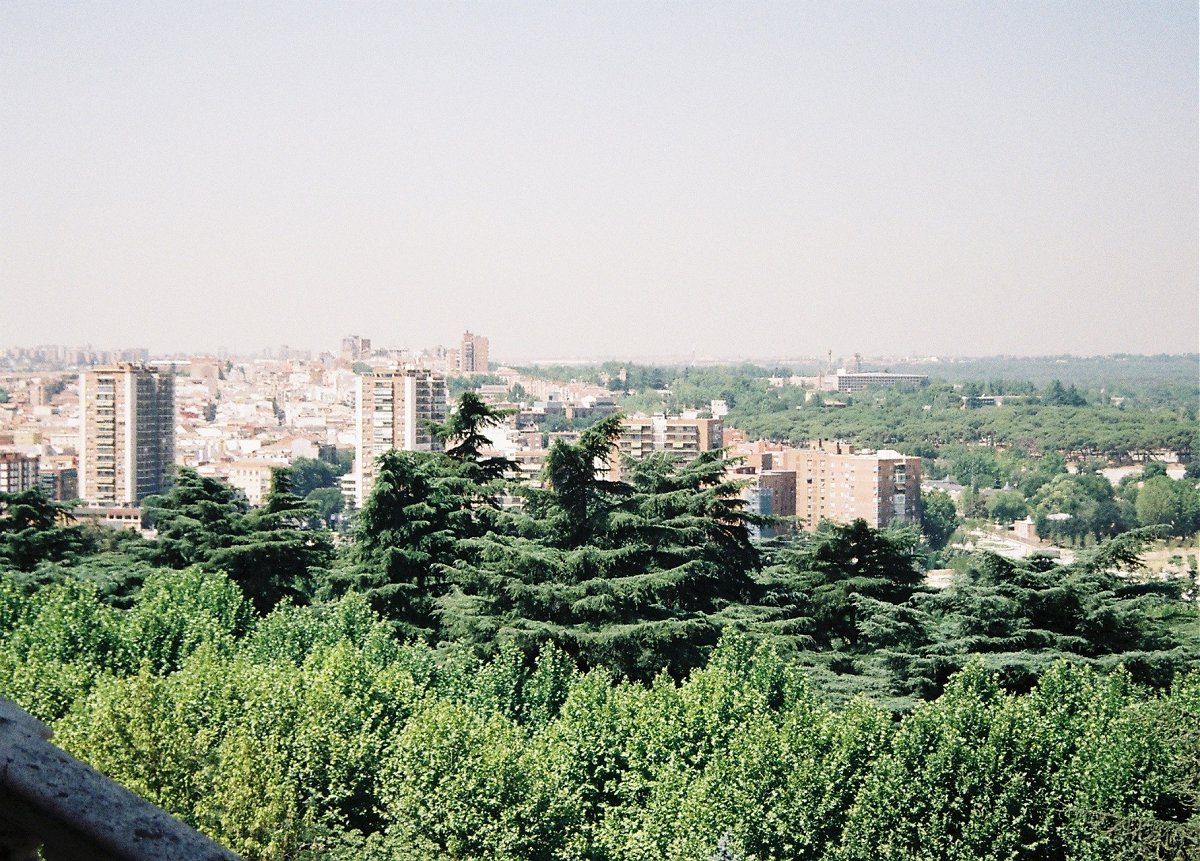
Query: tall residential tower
pixel 395 409
pixel 473 354
pixel 126 433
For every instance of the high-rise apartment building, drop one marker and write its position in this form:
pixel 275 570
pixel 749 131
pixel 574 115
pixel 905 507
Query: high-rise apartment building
pixel 355 347
pixel 473 354
pixel 395 409
pixel 126 435
pixel 835 482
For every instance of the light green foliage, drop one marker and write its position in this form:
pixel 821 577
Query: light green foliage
pixel 178 612
pixel 272 755
pixel 1136 779
pixel 458 784
pixel 1174 505
pixel 55 644
pixel 312 733
pixel 1005 506
pixel 939 518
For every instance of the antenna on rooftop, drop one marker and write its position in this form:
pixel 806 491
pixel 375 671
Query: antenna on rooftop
pixel 858 363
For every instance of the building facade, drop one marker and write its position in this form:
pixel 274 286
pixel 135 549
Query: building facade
pixel 394 411
pixel 473 354
pixel 252 478
pixel 834 482
pixel 857 382
pixel 772 493
pixel 682 438
pixel 127 434
pixel 59 483
pixel 18 472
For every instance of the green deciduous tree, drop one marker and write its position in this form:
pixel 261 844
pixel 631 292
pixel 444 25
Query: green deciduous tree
pixel 939 518
pixel 1174 505
pixel 1005 506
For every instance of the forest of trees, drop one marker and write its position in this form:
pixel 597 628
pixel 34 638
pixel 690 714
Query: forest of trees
pixel 614 670
pixel 1063 406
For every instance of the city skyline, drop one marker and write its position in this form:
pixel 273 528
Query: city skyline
pixel 660 181
pixel 382 353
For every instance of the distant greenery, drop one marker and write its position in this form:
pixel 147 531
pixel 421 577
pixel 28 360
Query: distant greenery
pixel 471 383
pixel 316 481
pixel 1068 411
pixel 1120 374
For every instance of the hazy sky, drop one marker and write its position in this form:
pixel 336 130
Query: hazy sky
pixel 578 178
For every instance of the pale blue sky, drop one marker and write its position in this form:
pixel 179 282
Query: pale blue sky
pixel 603 178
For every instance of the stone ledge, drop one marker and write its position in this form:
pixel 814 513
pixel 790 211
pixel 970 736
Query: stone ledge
pixel 49 798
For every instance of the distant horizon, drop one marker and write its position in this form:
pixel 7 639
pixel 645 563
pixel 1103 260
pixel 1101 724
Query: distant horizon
pixel 599 358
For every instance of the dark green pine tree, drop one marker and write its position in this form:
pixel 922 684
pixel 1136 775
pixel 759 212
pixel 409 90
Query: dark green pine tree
pixel 405 539
pixel 821 580
pixel 464 441
pixel 279 556
pixel 196 518
pixel 1023 616
pixel 34 529
pixel 633 575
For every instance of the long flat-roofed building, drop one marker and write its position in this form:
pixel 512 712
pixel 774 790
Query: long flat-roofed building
pixel 394 411
pixel 126 435
pixel 857 382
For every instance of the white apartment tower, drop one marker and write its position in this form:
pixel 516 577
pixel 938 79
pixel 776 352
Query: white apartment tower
pixel 395 409
pixel 126 434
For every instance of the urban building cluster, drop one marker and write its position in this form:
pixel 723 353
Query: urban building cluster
pixel 113 433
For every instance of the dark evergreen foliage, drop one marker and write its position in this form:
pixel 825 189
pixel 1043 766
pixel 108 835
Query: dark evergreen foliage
pixel 33 530
pixel 636 575
pixel 405 540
